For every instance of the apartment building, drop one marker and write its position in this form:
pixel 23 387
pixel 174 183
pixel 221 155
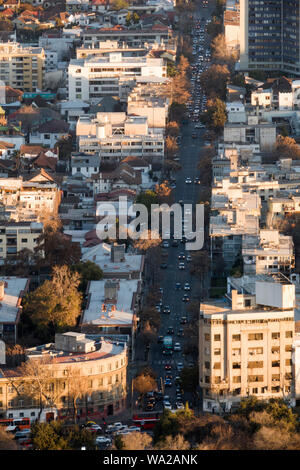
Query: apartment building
pixel 114 261
pixel 12 291
pixel 75 362
pixel 28 199
pixel 112 308
pixel 115 136
pixel 254 131
pixel 148 100
pixel 93 78
pixel 132 37
pixel 267 252
pixel 18 236
pixel 22 67
pixel 270 33
pixel 245 344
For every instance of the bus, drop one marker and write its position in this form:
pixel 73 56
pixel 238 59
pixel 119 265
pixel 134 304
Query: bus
pixel 147 420
pixel 15 424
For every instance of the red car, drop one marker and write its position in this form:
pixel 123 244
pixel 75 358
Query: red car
pixel 168 367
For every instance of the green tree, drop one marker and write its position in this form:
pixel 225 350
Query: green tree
pixel 88 271
pixel 215 116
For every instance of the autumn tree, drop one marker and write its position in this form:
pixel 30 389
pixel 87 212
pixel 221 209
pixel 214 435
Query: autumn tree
pixel 7 441
pixel 144 383
pixel 215 116
pixel 286 147
pixel 221 53
pixel 77 387
pixel 174 443
pixel 172 129
pixel 58 247
pixel 214 80
pixel 136 441
pixel 56 304
pixel 37 383
pixel 171 146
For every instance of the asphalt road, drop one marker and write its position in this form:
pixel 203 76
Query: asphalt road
pixel 189 157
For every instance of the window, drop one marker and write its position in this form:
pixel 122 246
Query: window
pixel 236 365
pixel 275 363
pixel 207 337
pixel 288 362
pixel 288 334
pixel 255 378
pixel 255 364
pixel 207 365
pixel 217 337
pixel 276 335
pixel 24 240
pixel 217 365
pixel 255 336
pixel 236 337
pixel 236 379
pixel 217 352
pixel 288 348
pixel 217 379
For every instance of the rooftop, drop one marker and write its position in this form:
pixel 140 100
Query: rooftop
pixel 14 289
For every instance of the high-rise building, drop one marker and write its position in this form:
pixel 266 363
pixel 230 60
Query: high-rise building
pixel 245 343
pixel 270 31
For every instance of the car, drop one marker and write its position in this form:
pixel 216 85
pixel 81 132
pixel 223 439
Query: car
pixel 187 286
pixel 163 266
pixel 114 427
pixel 188 181
pixel 170 330
pixel 187 211
pixel 188 258
pixel 134 429
pixel 181 266
pixel 180 333
pixel 168 383
pixel 22 433
pixel 25 442
pixel 102 439
pixel 175 243
pixel 177 380
pixel 179 366
pixel 177 286
pixel 160 339
pixel 166 309
pixel 179 405
pixel 168 367
pixel 197 181
pixel 149 406
pixel 165 244
pixel 151 400
pixel 177 347
pixel 183 320
pixel 185 298
pixel 94 428
pixel 181 255
pixel 167 405
pixel 168 352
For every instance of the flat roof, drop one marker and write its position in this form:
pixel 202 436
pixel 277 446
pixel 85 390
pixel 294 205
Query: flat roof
pixel 101 255
pixel 122 316
pixel 9 306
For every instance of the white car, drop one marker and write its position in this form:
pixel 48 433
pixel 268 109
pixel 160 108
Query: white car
pixel 188 181
pixel 181 266
pixel 102 439
pixel 179 366
pixel 167 405
pixel 134 429
pixel 177 347
pixel 187 286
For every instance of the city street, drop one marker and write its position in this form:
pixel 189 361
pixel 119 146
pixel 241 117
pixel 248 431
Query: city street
pixel 190 147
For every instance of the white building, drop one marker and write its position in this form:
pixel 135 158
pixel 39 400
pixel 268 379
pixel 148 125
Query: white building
pixel 91 79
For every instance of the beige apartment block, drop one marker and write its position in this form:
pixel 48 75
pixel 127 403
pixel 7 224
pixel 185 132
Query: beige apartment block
pixel 245 346
pixel 96 368
pixel 22 68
